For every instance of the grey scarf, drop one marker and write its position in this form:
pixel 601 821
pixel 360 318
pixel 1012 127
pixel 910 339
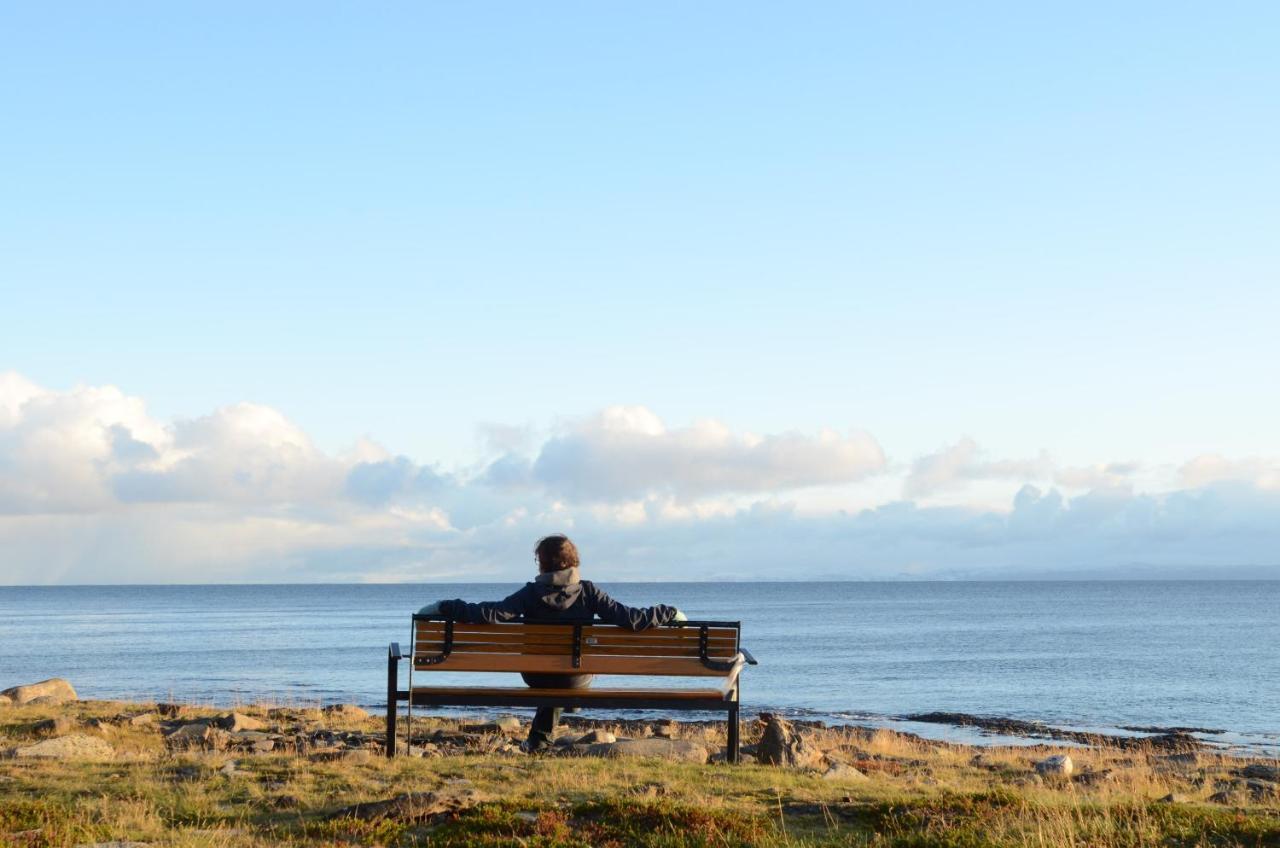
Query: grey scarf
pixel 563 577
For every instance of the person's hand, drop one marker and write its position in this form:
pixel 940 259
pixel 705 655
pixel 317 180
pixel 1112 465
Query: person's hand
pixel 680 616
pixel 432 608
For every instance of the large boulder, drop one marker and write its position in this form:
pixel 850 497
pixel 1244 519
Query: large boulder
pixel 55 689
pixel 1059 765
pixel 663 749
pixel 236 722
pixel 501 724
pixel 75 746
pixel 843 771
pixel 1261 771
pixel 782 746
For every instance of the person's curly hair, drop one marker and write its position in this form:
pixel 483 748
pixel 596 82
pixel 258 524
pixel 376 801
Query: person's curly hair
pixel 555 553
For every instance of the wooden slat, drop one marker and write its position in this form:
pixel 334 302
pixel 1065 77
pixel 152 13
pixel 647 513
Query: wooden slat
pixel 507 691
pixel 566 638
pixel 559 631
pixel 713 652
pixel 660 666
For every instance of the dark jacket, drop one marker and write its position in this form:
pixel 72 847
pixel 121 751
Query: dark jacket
pixel 559 596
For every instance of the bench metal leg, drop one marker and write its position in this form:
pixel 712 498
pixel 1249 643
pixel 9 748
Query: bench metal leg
pixel 733 730
pixel 393 684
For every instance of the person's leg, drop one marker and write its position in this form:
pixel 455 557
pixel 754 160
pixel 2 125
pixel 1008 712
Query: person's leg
pixel 546 718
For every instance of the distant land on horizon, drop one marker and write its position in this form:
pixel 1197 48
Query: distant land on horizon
pixel 1136 574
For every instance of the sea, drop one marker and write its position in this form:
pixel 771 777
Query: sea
pixel 1103 656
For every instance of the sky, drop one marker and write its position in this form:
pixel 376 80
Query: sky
pixel 334 292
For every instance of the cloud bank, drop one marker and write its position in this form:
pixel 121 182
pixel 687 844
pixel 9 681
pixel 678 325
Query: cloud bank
pixel 95 489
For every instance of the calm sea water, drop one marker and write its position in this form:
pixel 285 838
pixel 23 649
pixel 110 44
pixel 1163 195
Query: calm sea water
pixel 1094 655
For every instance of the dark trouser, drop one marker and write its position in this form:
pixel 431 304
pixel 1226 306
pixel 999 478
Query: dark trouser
pixel 546 718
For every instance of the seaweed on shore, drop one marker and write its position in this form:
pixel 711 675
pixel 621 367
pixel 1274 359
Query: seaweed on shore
pixel 1164 739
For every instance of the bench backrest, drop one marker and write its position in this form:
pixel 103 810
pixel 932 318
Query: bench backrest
pixel 692 649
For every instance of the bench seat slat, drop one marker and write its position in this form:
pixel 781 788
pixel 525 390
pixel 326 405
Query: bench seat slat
pixel 518 691
pixel 559 632
pixel 563 664
pixel 566 641
pixel 714 652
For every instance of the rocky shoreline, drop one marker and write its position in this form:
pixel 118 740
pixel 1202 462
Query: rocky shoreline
pixel 274 775
pixel 284 727
pixel 1161 738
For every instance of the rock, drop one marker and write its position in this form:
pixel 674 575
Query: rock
pixel 664 749
pixel 1174 798
pixel 55 688
pixel 346 711
pixel 843 771
pixel 172 710
pixel 411 806
pixel 1262 790
pixel 56 726
pixel 1185 760
pixel 501 724
pixel 198 735
pixel 666 728
pixel 229 769
pixel 142 720
pixel 1059 765
pixel 115 844
pixel 1223 797
pixel 1093 778
pixel 236 722
pixel 461 740
pixel 782 746
pixel 596 737
pixel 75 746
pixel 6 701
pixel 1261 771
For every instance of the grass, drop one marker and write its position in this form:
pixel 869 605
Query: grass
pixel 918 794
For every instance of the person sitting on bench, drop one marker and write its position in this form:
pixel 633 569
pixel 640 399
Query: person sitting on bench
pixel 556 594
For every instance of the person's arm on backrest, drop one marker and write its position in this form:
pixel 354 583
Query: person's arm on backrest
pixel 487 612
pixel 632 618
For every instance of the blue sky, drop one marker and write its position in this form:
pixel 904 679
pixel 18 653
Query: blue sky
pixel 1011 241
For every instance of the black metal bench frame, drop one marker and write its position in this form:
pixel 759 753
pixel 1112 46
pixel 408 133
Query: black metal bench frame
pixel 729 705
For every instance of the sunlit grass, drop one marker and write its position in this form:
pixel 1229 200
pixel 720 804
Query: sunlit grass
pixel 918 794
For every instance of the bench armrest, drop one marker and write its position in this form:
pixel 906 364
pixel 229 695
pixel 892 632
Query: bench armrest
pixel 393 651
pixel 746 655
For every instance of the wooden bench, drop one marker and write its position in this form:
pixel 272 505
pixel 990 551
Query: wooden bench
pixel 707 649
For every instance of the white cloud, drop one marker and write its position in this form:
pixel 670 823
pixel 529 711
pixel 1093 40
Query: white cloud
pixel 964 462
pixel 93 489
pixel 627 452
pixel 1214 468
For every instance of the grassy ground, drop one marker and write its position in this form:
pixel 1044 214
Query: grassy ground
pixel 916 794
